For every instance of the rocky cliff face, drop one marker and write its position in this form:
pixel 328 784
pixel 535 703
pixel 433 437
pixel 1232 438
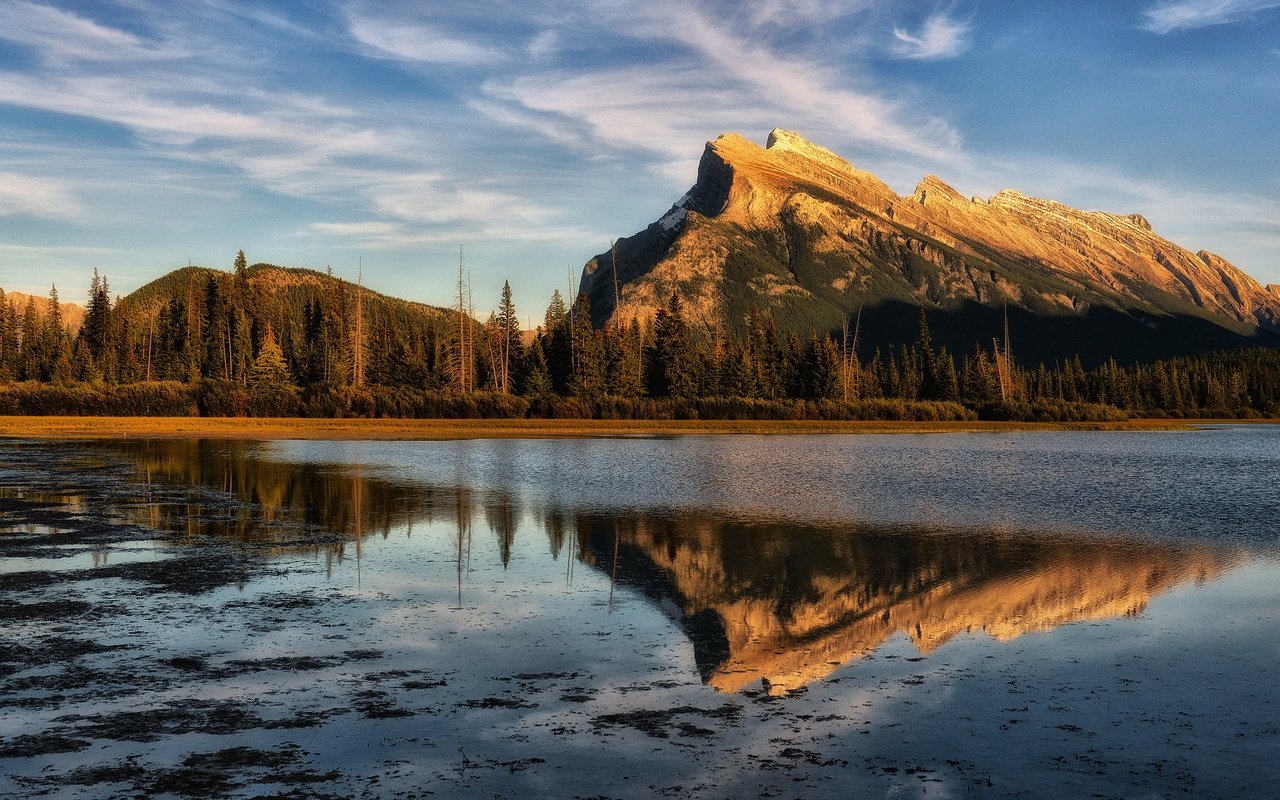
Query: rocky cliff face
pixel 796 228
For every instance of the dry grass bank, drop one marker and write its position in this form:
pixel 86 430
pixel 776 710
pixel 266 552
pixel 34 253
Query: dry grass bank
pixel 388 429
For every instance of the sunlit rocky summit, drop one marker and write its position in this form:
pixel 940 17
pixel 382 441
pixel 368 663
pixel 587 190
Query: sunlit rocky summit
pixel 796 229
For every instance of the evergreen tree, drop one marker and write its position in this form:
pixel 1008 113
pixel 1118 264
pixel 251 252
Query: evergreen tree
pixel 674 366
pixel 822 369
pixel 29 346
pixel 588 363
pixel 509 345
pixel 96 329
pixel 269 369
pixel 625 355
pixel 241 266
pixel 926 363
pixel 537 377
pixel 8 339
pixel 946 382
pixel 556 344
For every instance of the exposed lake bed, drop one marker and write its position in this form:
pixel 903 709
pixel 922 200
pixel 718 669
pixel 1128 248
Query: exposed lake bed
pixel 630 618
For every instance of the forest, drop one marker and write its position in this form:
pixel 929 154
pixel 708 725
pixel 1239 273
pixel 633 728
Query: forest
pixel 264 341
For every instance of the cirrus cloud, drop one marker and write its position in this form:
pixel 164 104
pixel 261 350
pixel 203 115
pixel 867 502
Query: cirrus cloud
pixel 1169 16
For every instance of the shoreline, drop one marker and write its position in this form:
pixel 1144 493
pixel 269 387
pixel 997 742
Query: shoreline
pixel 446 429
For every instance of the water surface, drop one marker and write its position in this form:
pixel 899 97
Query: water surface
pixel 990 614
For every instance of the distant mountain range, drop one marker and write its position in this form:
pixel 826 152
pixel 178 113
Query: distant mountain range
pixel 72 313
pixel 797 230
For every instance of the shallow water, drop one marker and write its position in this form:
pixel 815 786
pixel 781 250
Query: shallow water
pixel 1056 614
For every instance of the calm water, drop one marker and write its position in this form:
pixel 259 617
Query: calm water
pixel 1057 614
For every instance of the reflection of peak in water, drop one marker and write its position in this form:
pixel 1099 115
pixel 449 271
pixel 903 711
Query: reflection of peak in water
pixel 791 605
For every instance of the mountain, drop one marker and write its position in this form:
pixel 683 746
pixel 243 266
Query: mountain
pixel 796 229
pixel 72 314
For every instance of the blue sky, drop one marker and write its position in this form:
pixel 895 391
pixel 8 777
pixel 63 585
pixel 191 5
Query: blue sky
pixel 140 134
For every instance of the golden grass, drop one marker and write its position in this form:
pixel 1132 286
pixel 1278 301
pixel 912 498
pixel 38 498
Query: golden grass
pixel 390 429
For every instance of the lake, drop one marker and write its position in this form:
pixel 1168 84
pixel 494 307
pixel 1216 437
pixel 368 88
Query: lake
pixel 1056 614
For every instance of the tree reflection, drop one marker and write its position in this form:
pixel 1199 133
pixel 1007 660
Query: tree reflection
pixel 782 604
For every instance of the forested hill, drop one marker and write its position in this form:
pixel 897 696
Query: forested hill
pixel 212 324
pixel 200 323
pixel 270 341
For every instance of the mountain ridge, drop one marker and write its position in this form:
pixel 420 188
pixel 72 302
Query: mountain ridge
pixel 797 229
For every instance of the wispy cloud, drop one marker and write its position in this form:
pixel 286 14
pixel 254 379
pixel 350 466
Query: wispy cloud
pixel 420 42
pixel 718 75
pixel 37 196
pixel 57 35
pixel 1168 16
pixel 941 36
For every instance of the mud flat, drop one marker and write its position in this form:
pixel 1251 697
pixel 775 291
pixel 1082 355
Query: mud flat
pixel 262 627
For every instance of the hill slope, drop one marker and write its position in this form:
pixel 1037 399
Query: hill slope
pixel 795 228
pixel 203 322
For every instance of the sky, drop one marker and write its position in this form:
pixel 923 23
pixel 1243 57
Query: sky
pixel 141 135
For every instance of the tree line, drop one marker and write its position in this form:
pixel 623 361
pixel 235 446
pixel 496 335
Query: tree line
pixel 247 342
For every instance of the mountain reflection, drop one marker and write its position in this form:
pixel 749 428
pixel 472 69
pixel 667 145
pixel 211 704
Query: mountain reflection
pixel 780 604
pixel 789 605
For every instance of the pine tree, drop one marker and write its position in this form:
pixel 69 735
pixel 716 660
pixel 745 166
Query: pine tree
pixel 674 365
pixel 508 345
pixel 29 346
pixel 556 345
pixel 926 362
pixel 97 320
pixel 588 364
pixel 946 382
pixel 8 338
pixel 54 346
pixel 269 369
pixel 241 266
pixel 822 369
pixel 537 377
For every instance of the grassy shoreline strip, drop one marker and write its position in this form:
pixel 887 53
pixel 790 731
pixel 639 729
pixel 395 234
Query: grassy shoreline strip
pixel 393 429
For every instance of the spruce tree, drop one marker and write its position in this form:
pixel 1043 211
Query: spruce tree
pixel 509 345
pixel 674 363
pixel 588 363
pixel 537 377
pixel 269 369
pixel 822 369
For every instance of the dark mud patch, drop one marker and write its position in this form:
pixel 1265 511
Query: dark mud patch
pixel 496 702
pixel 53 609
pixel 662 723
pixel 216 718
pixel 217 773
pixel 27 745
pixel 377 704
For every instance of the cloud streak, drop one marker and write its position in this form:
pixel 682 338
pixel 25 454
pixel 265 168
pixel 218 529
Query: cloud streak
pixel 36 196
pixel 719 76
pixel 1182 15
pixel 57 35
pixel 941 36
pixel 418 42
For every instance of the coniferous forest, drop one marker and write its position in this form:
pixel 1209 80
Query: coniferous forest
pixel 263 340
